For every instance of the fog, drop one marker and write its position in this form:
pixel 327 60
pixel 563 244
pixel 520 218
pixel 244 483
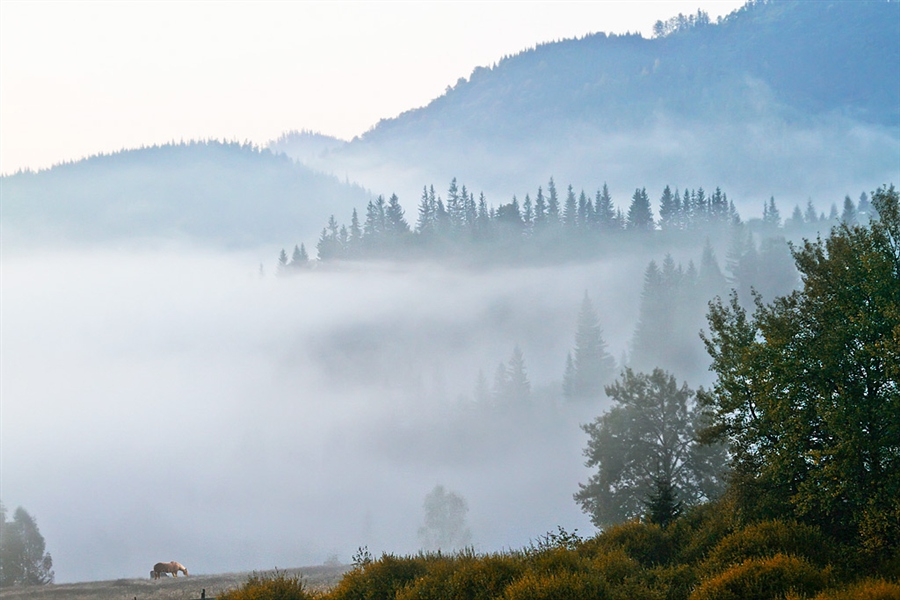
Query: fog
pixel 172 403
pixel 751 159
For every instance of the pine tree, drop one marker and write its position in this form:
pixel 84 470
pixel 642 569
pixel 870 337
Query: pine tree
pixel 771 216
pixel 425 222
pixel 585 212
pixel 552 204
pixel 604 211
pixel 355 233
pixel 810 216
pixel 848 216
pixel 396 226
pixel 669 209
pixel 640 216
pixel 540 210
pixel 299 259
pixel 570 211
pixel 591 366
pixel 528 213
pixel 282 262
pixel 864 209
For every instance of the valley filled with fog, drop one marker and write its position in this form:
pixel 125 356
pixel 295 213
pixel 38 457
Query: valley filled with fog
pixel 173 402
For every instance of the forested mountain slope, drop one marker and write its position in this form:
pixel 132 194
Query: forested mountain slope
pixel 226 194
pixel 795 99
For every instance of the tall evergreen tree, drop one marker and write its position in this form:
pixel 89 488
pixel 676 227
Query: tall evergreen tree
pixel 640 216
pixel 570 210
pixel 848 216
pixel 585 212
pixel 425 221
pixel 604 211
pixel 355 233
pixel 591 366
pixel 669 210
pixel 552 204
pixel 395 222
pixel 810 215
pixel 540 211
pixel 771 215
pixel 282 262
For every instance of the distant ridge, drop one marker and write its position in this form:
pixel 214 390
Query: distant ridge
pixel 222 193
pixel 795 99
pixel 803 58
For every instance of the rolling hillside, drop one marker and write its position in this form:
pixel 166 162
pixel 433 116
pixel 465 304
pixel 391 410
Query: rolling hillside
pixel 795 99
pixel 224 194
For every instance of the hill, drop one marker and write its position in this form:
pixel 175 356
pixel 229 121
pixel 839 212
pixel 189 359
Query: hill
pixel 225 194
pixel 795 99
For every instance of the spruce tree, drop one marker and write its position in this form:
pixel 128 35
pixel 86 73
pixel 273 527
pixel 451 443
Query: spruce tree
pixel 570 210
pixel 552 204
pixel 604 211
pixel 848 216
pixel 590 366
pixel 640 216
pixel 669 209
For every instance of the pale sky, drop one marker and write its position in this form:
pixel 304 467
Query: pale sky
pixel 80 78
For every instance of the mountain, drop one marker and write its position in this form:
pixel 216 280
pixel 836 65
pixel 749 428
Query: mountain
pixel 795 99
pixel 224 194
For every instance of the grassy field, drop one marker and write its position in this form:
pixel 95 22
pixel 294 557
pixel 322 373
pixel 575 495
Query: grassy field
pixel 168 588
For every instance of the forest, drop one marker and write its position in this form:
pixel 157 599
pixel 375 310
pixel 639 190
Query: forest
pixel 577 227
pixel 804 410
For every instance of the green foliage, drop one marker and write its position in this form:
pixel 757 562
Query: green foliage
pixel 869 589
pixel 379 579
pixel 558 586
pixel 769 538
pixel 592 366
pixel 23 559
pixel 276 586
pixel 646 543
pixel 807 393
pixel 645 439
pixel 764 579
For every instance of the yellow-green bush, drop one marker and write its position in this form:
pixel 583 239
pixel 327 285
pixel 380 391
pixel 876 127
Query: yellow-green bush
pixel 616 567
pixel 766 578
pixel 768 539
pixel 278 586
pixel 380 579
pixel 870 589
pixel 557 586
pixel 557 560
pixel 646 543
pixel 463 576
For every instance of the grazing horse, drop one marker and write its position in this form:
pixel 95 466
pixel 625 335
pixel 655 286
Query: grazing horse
pixel 169 567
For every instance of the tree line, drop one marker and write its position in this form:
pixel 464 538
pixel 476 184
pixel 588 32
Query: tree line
pixel 549 225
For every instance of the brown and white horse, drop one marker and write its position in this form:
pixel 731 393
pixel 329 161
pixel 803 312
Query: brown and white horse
pixel 169 567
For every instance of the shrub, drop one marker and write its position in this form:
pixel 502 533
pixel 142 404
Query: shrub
pixel 463 576
pixel 646 543
pixel 557 560
pixel 870 589
pixel 764 579
pixel 557 586
pixel 380 579
pixel 768 539
pixel 277 586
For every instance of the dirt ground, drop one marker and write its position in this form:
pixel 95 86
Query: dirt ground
pixel 167 588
